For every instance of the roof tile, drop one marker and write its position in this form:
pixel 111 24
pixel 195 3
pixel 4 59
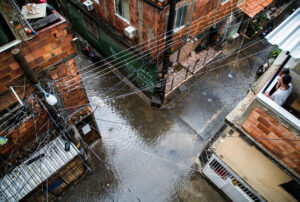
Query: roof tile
pixel 253 7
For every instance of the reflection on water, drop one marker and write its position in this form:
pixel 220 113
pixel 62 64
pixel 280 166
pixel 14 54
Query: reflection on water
pixel 148 154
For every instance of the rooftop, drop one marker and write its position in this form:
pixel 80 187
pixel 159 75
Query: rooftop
pixel 19 25
pixel 30 174
pixel 286 35
pixel 261 174
pixel 253 7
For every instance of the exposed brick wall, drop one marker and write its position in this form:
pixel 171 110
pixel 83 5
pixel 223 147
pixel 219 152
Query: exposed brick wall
pixel 51 50
pixel 155 19
pixel 274 137
pixel 25 132
pixel 49 46
pixel 74 95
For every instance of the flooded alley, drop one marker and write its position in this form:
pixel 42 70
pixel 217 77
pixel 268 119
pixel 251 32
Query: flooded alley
pixel 150 155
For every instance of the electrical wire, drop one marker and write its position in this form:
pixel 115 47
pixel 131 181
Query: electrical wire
pixel 160 35
pixel 107 72
pixel 252 44
pixel 141 57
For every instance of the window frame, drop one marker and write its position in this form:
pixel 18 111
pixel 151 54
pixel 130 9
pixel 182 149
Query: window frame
pixel 180 27
pixel 176 29
pixel 121 17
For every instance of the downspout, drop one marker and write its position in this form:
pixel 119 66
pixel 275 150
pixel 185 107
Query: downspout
pixel 217 9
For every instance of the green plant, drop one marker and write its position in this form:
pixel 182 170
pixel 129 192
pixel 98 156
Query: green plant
pixel 261 18
pixel 274 53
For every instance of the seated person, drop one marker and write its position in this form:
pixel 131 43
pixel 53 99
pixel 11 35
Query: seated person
pixel 281 73
pixel 283 91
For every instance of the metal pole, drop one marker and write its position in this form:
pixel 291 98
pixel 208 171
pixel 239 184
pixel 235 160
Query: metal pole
pixel 195 65
pixel 205 56
pixel 30 74
pixel 186 71
pixel 14 92
pixel 166 58
pixel 172 83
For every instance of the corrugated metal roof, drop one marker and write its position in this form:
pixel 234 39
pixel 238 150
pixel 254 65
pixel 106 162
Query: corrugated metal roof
pixel 25 178
pixel 287 35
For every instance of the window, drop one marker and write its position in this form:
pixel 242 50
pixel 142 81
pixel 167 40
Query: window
pixel 122 9
pixel 180 18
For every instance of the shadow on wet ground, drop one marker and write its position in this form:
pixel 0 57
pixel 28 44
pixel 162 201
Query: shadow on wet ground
pixel 148 154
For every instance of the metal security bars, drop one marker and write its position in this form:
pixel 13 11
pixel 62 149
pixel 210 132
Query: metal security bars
pixel 225 179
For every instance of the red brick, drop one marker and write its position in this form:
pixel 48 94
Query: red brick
pixel 54 76
pixel 29 58
pixel 288 149
pixel 25 51
pixel 3 89
pixel 264 121
pixel 247 126
pixel 57 51
pixel 47 56
pixel 40 59
pixel 295 157
pixel 7 61
pixel 14 66
pixel 52 39
pixel 289 163
pixel 268 145
pixel 53 60
pixel 71 51
pixel 297 147
pixel 47 48
pixel 5 70
pixel 61 34
pixel 53 30
pixel 5 79
pixel 297 169
pixel 38 53
pixel 44 34
pixel 263 129
pixel 17 73
pixel 68 38
pixel 62 26
pixel 276 131
pixel 39 45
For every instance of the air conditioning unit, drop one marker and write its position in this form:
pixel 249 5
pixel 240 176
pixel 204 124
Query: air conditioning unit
pixel 89 5
pixel 130 31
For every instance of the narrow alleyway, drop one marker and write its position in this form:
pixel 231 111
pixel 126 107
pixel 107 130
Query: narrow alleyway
pixel 150 155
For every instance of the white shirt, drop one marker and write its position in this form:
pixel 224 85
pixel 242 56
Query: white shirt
pixel 280 96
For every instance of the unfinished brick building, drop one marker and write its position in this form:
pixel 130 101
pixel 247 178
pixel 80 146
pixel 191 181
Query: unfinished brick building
pixel 31 130
pixel 200 28
pixel 257 154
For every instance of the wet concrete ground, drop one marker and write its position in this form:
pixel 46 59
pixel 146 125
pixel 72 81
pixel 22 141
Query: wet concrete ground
pixel 148 154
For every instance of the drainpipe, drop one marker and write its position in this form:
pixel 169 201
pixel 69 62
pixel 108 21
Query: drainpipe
pixel 217 9
pixel 167 53
pixel 30 74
